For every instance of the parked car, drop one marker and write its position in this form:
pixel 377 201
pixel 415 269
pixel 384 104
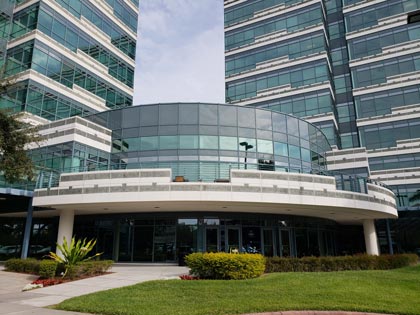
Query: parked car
pixel 10 249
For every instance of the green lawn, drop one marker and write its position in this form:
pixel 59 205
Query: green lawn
pixel 393 291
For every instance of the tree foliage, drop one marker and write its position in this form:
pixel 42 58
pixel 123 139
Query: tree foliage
pixel 15 163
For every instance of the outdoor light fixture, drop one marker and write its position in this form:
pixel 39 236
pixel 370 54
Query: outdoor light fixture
pixel 247 147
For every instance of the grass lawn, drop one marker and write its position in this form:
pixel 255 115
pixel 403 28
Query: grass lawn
pixel 392 291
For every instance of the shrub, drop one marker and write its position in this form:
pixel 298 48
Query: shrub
pixel 225 266
pixel 15 265
pixel 47 268
pixel 88 268
pixel 29 265
pixel 95 267
pixel 339 263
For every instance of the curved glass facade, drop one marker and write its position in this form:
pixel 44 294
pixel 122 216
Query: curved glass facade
pixel 204 141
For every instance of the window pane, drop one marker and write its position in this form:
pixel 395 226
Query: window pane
pixel 209 142
pixel 228 143
pixel 265 146
pixel 168 142
pixel 188 142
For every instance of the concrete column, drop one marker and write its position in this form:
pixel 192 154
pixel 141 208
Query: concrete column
pixel 65 227
pixel 28 231
pixel 371 239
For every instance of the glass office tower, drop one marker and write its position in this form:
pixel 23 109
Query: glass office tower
pixel 67 58
pixel 351 68
pixel 60 59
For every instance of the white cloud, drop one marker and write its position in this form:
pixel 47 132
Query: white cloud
pixel 180 52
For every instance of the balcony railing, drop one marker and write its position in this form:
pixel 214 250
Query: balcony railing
pixel 209 172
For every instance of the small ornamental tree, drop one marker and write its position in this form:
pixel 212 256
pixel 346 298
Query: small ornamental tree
pixel 74 253
pixel 15 163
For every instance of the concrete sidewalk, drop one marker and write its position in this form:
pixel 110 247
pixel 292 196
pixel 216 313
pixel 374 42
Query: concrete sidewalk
pixel 13 301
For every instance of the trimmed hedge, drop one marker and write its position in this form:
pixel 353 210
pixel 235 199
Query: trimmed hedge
pixel 29 265
pixel 89 268
pixel 339 263
pixel 48 269
pixel 225 266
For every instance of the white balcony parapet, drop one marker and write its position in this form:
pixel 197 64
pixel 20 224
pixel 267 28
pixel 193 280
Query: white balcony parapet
pixel 247 190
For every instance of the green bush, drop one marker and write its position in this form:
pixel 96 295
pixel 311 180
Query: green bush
pixel 225 266
pixel 47 268
pixel 89 268
pixel 15 265
pixel 29 265
pixel 95 267
pixel 339 263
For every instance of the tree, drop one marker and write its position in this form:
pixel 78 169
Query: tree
pixel 15 163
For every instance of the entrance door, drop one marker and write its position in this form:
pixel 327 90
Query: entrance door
pixel 212 239
pixel 285 249
pixel 232 240
pixel 268 241
pixel 143 243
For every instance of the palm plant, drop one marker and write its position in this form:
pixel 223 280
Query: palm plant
pixel 73 253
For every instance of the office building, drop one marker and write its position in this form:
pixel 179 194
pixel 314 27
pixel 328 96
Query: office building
pixel 154 182
pixel 349 67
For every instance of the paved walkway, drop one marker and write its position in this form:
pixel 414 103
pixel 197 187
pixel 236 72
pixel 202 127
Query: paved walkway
pixel 13 301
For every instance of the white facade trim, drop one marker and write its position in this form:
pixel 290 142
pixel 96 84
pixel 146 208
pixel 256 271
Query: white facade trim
pixel 248 191
pixel 84 61
pixel 74 129
pixel 395 151
pixel 231 3
pixel 382 25
pixel 387 53
pixel 278 64
pixel 269 14
pixel 393 82
pixel 24 5
pixel 83 24
pixel 31 119
pixel 361 5
pixel 132 6
pixel 321 118
pixel 109 12
pixel 397 178
pixel 276 37
pixel 280 92
pixel 82 98
pixel 396 115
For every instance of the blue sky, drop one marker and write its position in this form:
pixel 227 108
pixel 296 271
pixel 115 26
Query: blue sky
pixel 180 52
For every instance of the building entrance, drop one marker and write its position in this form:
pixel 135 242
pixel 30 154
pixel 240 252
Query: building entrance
pixel 168 238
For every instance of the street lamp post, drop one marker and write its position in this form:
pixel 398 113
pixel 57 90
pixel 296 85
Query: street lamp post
pixel 247 147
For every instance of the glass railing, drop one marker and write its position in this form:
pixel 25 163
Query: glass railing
pixel 43 178
pixel 212 172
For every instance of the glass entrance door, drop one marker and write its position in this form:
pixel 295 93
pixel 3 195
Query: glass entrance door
pixel 143 243
pixel 268 241
pixel 232 240
pixel 212 239
pixel 284 248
